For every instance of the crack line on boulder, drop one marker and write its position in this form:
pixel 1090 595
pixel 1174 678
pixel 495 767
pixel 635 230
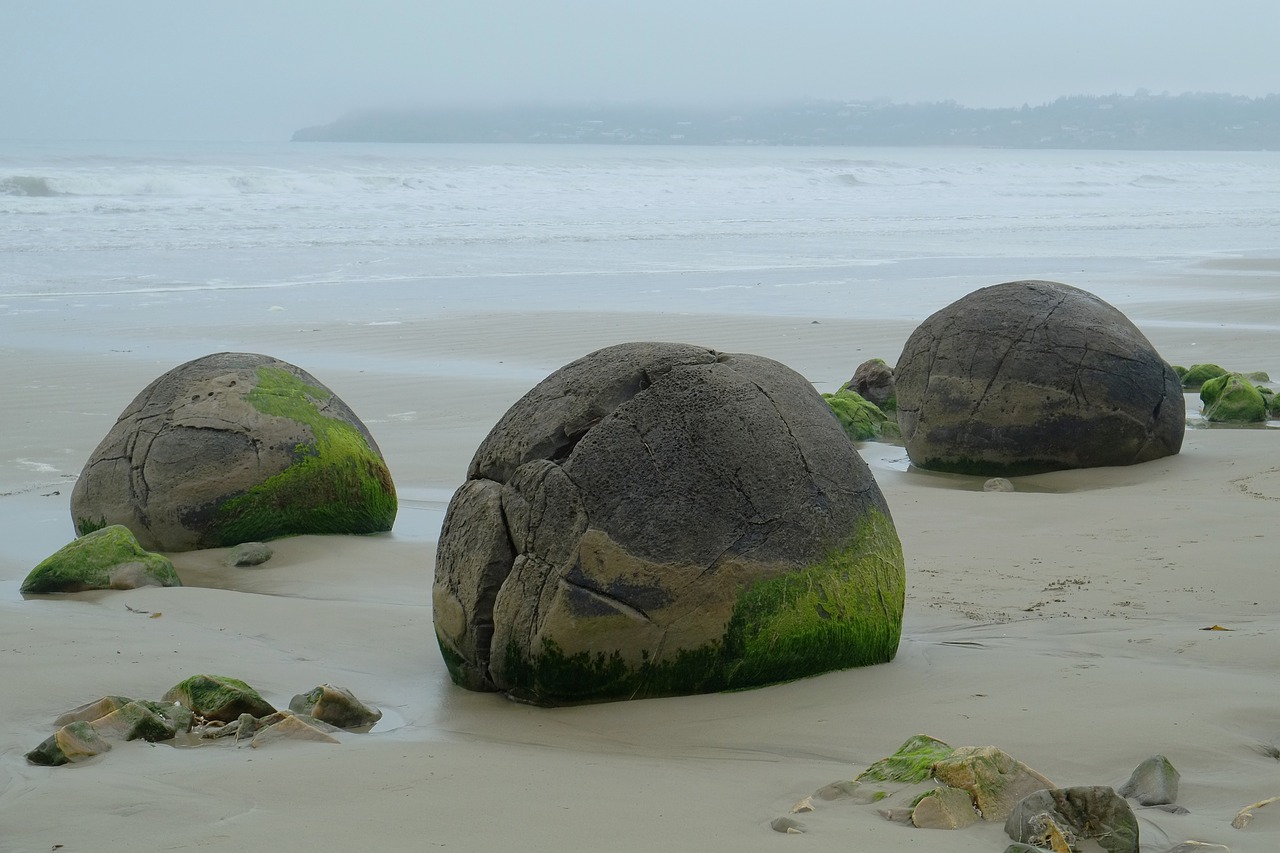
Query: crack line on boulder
pixel 616 603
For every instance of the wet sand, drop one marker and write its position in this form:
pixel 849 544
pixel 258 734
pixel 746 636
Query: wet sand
pixel 1062 622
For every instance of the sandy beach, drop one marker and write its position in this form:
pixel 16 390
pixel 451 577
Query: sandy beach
pixel 1064 622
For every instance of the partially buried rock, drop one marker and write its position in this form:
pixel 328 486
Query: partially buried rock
pixel 71 744
pixel 336 706
pixel 231 448
pixel 945 808
pixel 249 554
pixel 296 727
pixel 216 697
pixel 1153 783
pixel 658 519
pixel 1034 376
pixel 143 720
pixel 91 711
pixel 995 779
pixel 1044 817
pixel 110 558
pixel 998 484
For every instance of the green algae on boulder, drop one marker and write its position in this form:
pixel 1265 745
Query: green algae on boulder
pixel 231 448
pixel 658 519
pixel 911 763
pixel 71 744
pixel 1197 374
pixel 217 697
pixel 107 558
pixel 861 419
pixel 1232 398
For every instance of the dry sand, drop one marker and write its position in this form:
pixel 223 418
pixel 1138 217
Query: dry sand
pixel 1063 622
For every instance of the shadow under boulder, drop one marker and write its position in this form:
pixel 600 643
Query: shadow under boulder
pixel 1034 376
pixel 658 519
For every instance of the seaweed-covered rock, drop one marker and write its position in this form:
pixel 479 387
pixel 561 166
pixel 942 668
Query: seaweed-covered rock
pixel 143 720
pixel 1070 814
pixel 1232 398
pixel 1033 376
pixel 912 762
pixel 1197 374
pixel 230 448
pixel 860 418
pixel 657 519
pixel 71 744
pixel 336 706
pixel 249 554
pixel 216 697
pixel 110 558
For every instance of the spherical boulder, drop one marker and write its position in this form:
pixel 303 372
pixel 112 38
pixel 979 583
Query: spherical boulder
pixel 1034 376
pixel 231 448
pixel 658 519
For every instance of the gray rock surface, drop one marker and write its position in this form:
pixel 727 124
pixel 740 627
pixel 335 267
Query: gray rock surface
pixel 873 381
pixel 1096 812
pixel 1153 783
pixel 642 520
pixel 231 448
pixel 1033 376
pixel 249 554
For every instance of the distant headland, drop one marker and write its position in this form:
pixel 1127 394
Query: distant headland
pixel 1142 121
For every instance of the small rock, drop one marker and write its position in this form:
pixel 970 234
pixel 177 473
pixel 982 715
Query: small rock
pixel 1059 816
pixel 805 805
pixel 841 790
pixel 138 721
pixel 249 554
pixel 1199 847
pixel 998 484
pixel 996 779
pixel 944 808
pixel 217 697
pixel 1153 783
pixel 296 727
pixel 91 711
pixel 896 815
pixel 337 706
pixel 787 825
pixel 71 744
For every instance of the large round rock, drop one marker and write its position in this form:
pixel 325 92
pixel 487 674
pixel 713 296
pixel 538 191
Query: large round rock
pixel 1034 376
pixel 659 519
pixel 230 448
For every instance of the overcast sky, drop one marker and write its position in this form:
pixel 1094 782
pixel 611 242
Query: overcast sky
pixel 259 69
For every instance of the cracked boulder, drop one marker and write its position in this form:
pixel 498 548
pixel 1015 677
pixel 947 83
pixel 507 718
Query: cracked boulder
pixel 1034 376
pixel 658 519
pixel 232 448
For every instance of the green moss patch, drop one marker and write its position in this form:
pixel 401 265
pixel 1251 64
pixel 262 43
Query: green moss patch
pixel 841 612
pixel 1232 398
pixel 338 484
pixel 107 558
pixel 218 697
pixel 861 419
pixel 912 763
pixel 1197 374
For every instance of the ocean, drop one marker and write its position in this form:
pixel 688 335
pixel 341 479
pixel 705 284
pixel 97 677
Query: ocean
pixel 731 230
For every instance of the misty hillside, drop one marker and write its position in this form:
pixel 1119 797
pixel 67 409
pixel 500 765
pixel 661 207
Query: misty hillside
pixel 1141 121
